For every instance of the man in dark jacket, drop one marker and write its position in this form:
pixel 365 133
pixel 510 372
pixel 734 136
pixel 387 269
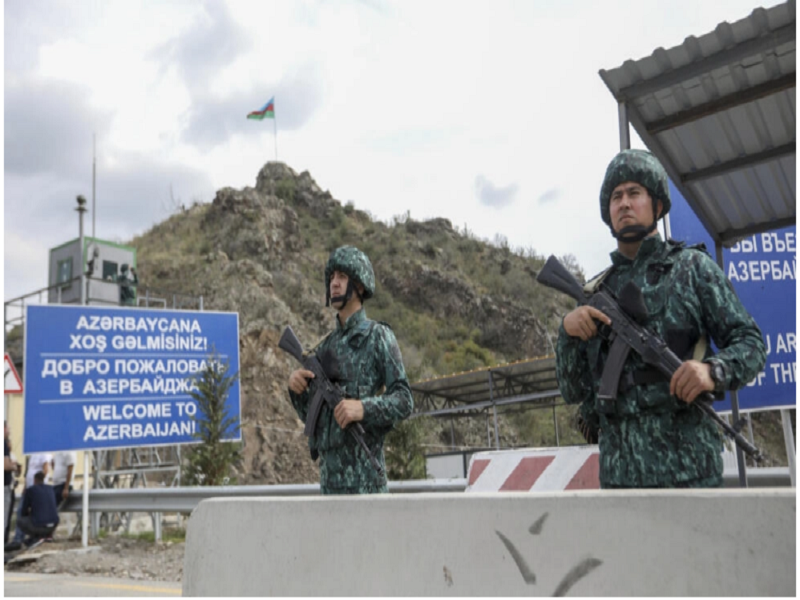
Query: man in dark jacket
pixel 38 516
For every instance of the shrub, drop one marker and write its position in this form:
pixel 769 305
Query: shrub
pixel 210 462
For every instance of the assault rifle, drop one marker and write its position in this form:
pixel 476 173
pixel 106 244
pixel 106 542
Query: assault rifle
pixel 625 334
pixel 327 391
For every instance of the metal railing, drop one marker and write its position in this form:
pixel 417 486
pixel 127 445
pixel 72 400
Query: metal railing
pixel 185 499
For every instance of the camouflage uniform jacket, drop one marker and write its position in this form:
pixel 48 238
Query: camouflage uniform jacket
pixel 127 289
pixel 647 437
pixel 369 359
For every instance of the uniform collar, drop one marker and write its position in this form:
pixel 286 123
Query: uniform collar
pixel 352 321
pixel 650 246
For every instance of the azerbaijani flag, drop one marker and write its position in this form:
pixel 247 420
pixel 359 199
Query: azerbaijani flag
pixel 267 111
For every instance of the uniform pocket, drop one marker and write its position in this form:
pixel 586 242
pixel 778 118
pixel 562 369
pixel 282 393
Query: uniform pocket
pixel 655 298
pixel 654 395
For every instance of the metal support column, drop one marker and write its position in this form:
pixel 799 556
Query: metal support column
pixel 157 526
pixel 555 424
pixel 740 461
pixel 96 484
pixel 624 127
pixel 788 437
pixel 494 410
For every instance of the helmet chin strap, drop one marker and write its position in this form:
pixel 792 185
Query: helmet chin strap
pixel 343 299
pixel 633 233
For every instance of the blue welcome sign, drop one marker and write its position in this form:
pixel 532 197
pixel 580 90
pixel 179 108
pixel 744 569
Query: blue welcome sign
pixel 763 271
pixel 98 377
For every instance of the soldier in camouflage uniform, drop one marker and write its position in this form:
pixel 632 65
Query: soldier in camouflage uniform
pixel 127 286
pixel 372 374
pixel 651 435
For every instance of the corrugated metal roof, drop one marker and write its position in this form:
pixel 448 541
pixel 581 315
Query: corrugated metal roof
pixel 719 113
pixel 531 380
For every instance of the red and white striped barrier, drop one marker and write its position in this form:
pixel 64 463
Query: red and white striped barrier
pixel 535 470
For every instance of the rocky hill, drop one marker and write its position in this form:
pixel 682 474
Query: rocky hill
pixel 454 301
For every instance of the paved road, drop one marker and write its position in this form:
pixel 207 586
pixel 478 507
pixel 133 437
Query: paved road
pixel 36 584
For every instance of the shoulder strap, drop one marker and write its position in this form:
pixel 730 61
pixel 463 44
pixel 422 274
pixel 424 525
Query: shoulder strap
pixel 675 246
pixel 590 287
pixel 700 348
pixel 317 345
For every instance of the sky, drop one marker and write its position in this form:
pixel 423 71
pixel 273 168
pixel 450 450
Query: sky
pixel 491 115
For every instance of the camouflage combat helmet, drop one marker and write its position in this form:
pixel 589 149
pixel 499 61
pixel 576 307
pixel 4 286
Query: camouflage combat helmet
pixel 638 166
pixel 355 264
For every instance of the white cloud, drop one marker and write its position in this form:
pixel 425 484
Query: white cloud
pixel 397 106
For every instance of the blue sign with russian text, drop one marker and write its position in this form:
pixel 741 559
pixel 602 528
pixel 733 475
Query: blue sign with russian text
pixel 763 271
pixel 98 377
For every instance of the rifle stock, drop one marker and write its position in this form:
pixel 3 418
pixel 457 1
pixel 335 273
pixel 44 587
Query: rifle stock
pixel 556 276
pixel 290 344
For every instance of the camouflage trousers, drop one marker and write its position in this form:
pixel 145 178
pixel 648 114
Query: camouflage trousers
pixel 347 470
pixel 708 482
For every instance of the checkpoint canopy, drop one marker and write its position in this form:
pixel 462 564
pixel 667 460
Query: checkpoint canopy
pixel 719 112
pixel 531 380
pixel 101 378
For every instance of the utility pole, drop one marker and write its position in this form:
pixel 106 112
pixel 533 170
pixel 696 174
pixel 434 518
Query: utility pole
pixel 81 209
pixel 94 169
pixel 85 517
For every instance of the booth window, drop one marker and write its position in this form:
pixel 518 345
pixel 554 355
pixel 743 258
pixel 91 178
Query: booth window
pixel 65 273
pixel 109 270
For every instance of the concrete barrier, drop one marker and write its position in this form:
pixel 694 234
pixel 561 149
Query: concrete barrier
pixel 583 543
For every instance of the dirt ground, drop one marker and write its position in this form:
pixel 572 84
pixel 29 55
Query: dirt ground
pixel 112 556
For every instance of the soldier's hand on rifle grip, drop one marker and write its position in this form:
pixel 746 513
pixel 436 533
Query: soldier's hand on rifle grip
pixel 298 380
pixel 580 322
pixel 348 411
pixel 690 380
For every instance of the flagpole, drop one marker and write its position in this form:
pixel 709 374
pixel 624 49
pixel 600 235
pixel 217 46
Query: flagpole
pixel 275 125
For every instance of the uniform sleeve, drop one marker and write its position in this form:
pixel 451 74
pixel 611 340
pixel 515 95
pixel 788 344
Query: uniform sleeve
pixel 572 369
pixel 574 377
pixel 396 403
pixel 734 331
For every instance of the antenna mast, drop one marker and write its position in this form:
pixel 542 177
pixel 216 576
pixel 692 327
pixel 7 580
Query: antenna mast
pixel 94 162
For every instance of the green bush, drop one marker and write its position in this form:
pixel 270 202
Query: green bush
pixel 211 461
pixel 404 450
pixel 285 190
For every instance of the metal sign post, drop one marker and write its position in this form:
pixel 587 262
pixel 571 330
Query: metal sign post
pixel 788 437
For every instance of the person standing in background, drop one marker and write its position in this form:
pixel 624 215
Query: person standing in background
pixel 10 470
pixel 63 466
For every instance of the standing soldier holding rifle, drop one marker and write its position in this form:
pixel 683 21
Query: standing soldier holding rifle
pixel 649 433
pixel 367 360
